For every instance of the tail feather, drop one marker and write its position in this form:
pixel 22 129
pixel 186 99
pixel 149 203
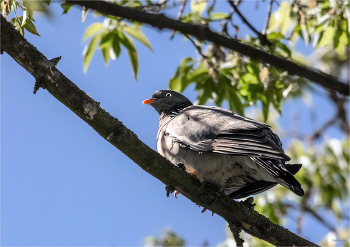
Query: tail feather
pixel 293 168
pixel 295 185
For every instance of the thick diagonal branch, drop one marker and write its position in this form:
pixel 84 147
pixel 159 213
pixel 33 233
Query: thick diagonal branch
pixel 204 33
pixel 111 129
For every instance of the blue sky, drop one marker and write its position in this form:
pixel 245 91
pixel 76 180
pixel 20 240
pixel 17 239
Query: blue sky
pixel 64 185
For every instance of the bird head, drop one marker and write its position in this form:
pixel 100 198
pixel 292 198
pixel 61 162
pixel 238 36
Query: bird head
pixel 168 102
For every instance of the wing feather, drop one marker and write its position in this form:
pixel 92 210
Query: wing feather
pixel 213 129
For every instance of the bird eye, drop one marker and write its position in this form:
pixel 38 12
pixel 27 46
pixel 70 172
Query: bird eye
pixel 168 95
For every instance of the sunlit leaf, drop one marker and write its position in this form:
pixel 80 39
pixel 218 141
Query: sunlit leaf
pixel 341 49
pixel 25 16
pixel 92 29
pixel 284 48
pixel 275 35
pixel 217 16
pixel 105 54
pixel 106 39
pixel 116 45
pixel 30 27
pixel 90 50
pixel 137 34
pixel 285 23
pixel 132 53
pixel 327 37
pixel 66 7
pixel 84 14
pixel 198 6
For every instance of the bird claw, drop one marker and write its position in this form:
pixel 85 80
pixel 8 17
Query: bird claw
pixel 182 166
pixel 170 189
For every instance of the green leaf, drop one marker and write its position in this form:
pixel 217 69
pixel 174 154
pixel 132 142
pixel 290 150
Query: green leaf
pixel 105 54
pixel 25 16
pixel 284 48
pixel 285 23
pixel 175 84
pixel 250 78
pixel 327 37
pixel 66 7
pixel 265 107
pixel 116 45
pixel 319 28
pixel 29 26
pixel 198 6
pixel 92 29
pixel 274 21
pixel 210 9
pixel 132 53
pixel 90 50
pixel 344 38
pixel 340 49
pixel 275 35
pixel 137 34
pixel 16 23
pixel 217 16
pixel 106 39
pixel 84 14
pixel 235 102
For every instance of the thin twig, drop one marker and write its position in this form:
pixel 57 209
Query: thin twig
pixel 182 9
pixel 320 131
pixel 262 37
pixel 235 232
pixel 179 15
pixel 319 218
pixel 314 214
pixel 199 49
pixel 268 17
pixel 230 19
pixel 303 205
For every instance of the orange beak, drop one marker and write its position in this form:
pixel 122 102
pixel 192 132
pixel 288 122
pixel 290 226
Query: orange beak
pixel 147 101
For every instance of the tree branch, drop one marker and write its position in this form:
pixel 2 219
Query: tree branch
pixel 112 130
pixel 320 131
pixel 262 37
pixel 268 17
pixel 204 33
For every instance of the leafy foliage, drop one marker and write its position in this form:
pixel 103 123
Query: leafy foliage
pixel 24 22
pixel 111 35
pixel 169 238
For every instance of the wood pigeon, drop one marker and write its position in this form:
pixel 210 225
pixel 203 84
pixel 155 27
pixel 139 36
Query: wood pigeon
pixel 237 154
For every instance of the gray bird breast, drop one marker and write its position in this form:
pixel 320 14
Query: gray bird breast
pixel 229 173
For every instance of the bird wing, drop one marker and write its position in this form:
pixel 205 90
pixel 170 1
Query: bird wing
pixel 213 129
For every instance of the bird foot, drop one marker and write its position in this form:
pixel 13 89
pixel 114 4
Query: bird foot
pixel 182 166
pixel 170 189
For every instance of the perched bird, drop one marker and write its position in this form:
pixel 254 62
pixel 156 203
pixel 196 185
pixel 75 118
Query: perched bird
pixel 237 154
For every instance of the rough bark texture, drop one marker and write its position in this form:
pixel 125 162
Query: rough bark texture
pixel 204 33
pixel 111 129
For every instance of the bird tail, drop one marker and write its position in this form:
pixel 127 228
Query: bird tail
pixel 293 168
pixel 293 184
pixel 284 173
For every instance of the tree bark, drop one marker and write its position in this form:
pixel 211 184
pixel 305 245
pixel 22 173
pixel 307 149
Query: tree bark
pixel 204 33
pixel 111 129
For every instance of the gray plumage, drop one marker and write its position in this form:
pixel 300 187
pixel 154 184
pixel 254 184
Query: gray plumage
pixel 239 155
